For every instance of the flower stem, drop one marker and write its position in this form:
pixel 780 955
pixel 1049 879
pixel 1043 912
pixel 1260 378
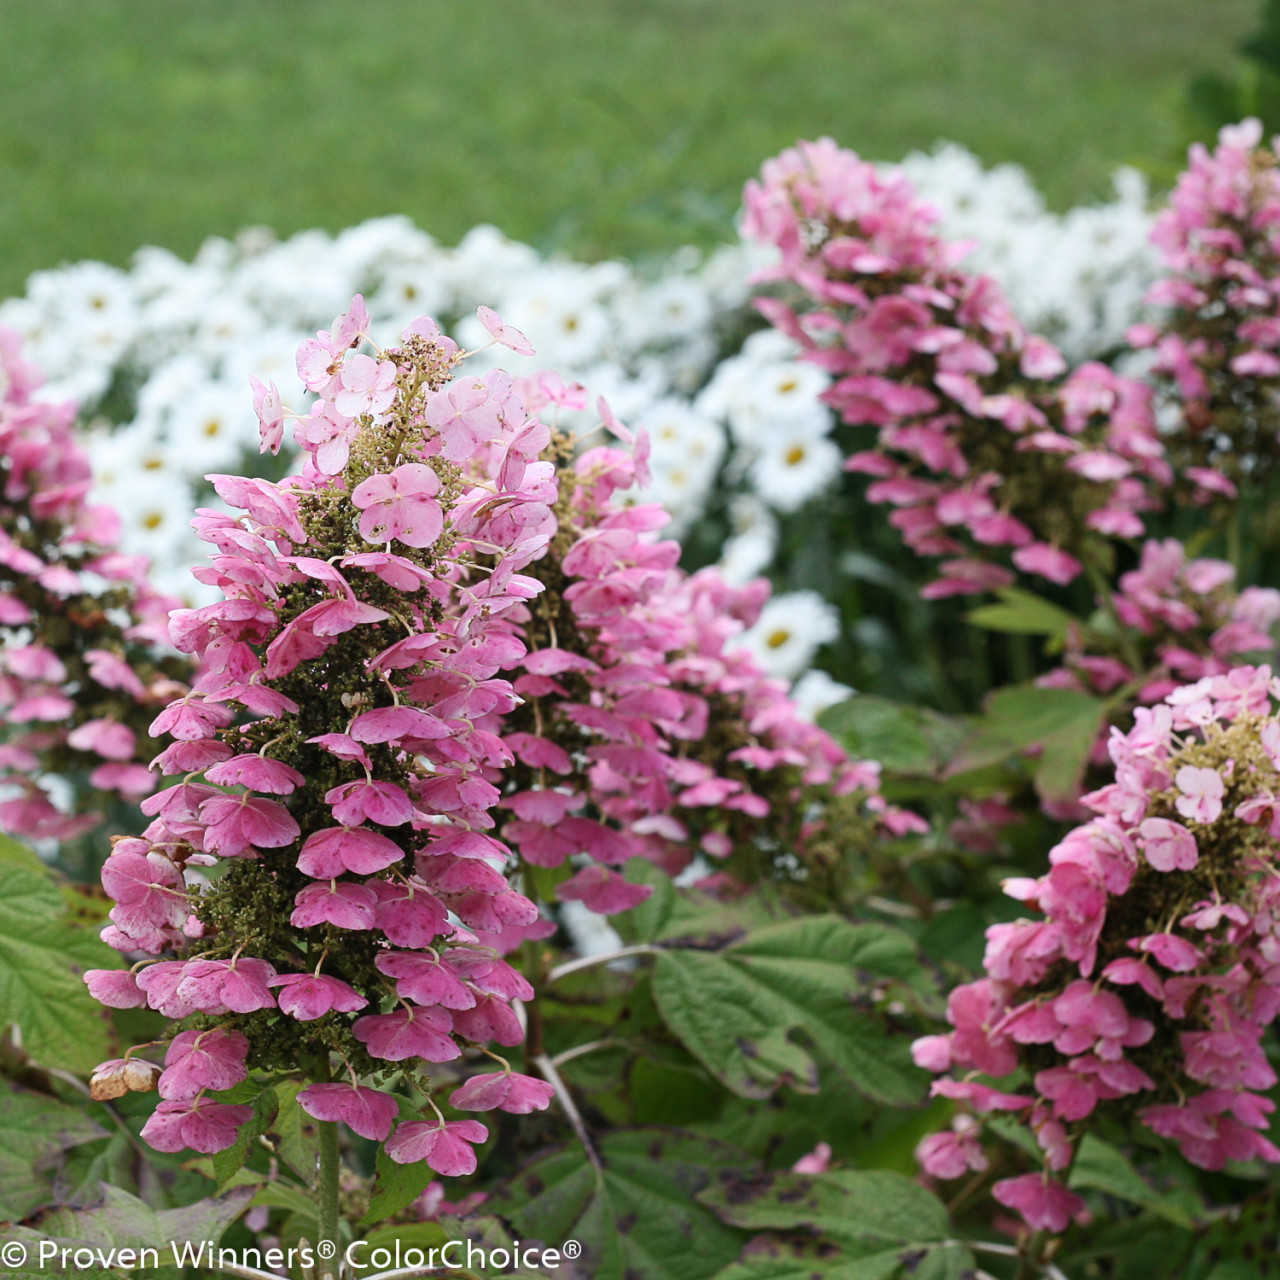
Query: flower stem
pixel 1235 551
pixel 327 1196
pixel 547 1070
pixel 1124 634
pixel 605 957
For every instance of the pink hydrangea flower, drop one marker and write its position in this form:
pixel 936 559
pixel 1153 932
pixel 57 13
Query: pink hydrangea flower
pixel 307 996
pixel 201 1123
pixel 400 506
pixel 366 386
pixel 506 334
pixel 446 1147
pixel 1044 1203
pixel 1202 792
pixel 368 1112
pixel 1168 845
pixel 505 1091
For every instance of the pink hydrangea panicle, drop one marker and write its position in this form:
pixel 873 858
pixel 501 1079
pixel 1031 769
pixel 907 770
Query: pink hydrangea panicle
pixel 1168 1024
pixel 651 653
pixel 1216 341
pixel 932 358
pixel 340 754
pixel 83 660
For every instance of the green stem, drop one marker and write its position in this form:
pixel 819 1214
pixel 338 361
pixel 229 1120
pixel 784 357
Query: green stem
pixel 327 1196
pixel 1128 642
pixel 326 1181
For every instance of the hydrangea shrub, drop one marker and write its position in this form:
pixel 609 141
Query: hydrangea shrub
pixel 83 661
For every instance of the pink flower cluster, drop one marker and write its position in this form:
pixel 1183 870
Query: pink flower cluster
pixel 328 875
pixel 80 671
pixel 324 872
pixel 1218 345
pixel 644 733
pixel 1154 970
pixel 984 440
pixel 1190 621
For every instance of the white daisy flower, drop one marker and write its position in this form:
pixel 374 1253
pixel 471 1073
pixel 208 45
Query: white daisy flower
pixel 794 465
pixel 815 691
pixel 790 630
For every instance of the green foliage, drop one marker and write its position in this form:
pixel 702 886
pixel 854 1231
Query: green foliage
pixel 1251 89
pixel 738 1009
pixel 122 1221
pixel 904 738
pixel 286 1195
pixel 1101 1167
pixel 1023 613
pixel 42 957
pixel 226 1164
pixel 395 1187
pixel 636 1213
pixel 294 1133
pixel 1242 1242
pixel 38 1131
pixel 856 1225
pixel 409 1235
pixel 685 917
pixel 1062 724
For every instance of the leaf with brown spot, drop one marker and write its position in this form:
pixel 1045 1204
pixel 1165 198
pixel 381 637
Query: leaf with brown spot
pixel 737 1010
pixel 640 1215
pixel 37 1131
pixel 124 1221
pixel 854 1225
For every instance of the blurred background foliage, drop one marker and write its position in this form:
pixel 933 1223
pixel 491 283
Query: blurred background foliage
pixel 598 127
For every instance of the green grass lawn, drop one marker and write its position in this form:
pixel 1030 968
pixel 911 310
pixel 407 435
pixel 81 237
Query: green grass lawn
pixel 596 126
